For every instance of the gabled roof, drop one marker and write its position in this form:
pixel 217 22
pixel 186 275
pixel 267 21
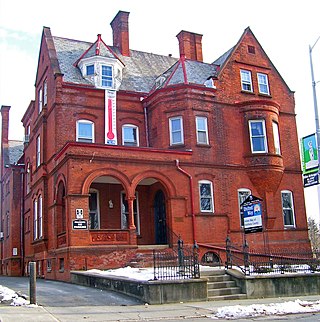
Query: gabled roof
pixel 13 152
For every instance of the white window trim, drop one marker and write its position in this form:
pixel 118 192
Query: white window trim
pixel 77 131
pixel 40 101
pixel 239 203
pixel 40 217
pixel 137 223
pixel 38 151
pixel 266 84
pixel 133 127
pixel 276 137
pixel 293 214
pixel 205 130
pixel 264 136
pixel 181 129
pixel 98 206
pixel 243 81
pixel 211 197
pixel 35 219
pixel 45 93
pixel 112 76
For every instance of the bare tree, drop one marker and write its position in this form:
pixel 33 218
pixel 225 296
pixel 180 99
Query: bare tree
pixel 314 234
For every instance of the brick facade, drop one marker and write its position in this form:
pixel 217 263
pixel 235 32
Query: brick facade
pixel 152 179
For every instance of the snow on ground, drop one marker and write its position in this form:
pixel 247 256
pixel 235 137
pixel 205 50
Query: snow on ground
pixel 9 296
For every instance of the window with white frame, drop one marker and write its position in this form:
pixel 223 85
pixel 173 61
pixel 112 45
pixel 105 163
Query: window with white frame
pixel 258 138
pixel 40 217
pixel 263 83
pixel 246 81
pixel 130 135
pixel 90 70
pixel 28 177
pixel 287 208
pixel 202 130
pixel 35 219
pixel 40 103
pixel 45 93
pixel 243 194
pixel 125 212
pixel 276 138
pixel 106 76
pixel 85 131
pixel 206 196
pixel 176 130
pixel 38 151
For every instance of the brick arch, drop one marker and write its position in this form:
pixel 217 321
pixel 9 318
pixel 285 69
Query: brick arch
pixel 124 180
pixel 163 179
pixel 61 178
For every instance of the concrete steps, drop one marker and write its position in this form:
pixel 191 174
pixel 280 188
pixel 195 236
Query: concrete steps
pixel 220 286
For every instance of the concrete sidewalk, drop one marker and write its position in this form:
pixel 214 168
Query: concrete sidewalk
pixel 196 311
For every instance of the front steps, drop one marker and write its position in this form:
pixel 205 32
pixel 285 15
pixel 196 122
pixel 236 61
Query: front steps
pixel 221 287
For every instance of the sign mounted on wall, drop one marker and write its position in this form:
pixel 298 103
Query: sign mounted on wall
pixel 110 117
pixel 252 214
pixel 79 224
pixel 310 160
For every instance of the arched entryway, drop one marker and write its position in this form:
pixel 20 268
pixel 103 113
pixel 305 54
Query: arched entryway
pixel 160 218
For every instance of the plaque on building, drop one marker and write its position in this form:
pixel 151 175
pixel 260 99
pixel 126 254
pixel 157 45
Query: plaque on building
pixel 79 224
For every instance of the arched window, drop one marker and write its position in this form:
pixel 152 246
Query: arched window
pixel 61 208
pixel 28 177
pixel 85 131
pixel 288 208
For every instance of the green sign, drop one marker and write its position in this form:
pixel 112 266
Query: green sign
pixel 310 160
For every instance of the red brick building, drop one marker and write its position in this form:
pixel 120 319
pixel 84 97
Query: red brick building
pixel 124 149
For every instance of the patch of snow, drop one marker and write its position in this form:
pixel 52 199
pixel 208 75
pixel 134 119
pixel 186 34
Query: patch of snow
pixel 8 295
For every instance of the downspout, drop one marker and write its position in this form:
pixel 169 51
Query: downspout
pixel 22 221
pixel 192 200
pixel 146 125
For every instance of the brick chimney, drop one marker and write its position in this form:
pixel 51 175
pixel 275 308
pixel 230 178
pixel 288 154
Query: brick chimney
pixel 190 45
pixel 4 136
pixel 120 30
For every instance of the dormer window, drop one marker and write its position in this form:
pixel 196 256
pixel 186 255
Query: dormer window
pixel 106 76
pixel 90 70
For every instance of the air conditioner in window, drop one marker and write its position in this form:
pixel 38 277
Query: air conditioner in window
pixel 1 234
pixel 26 138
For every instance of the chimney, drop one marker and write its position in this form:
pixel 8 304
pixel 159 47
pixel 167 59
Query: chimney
pixel 190 45
pixel 120 30
pixel 4 136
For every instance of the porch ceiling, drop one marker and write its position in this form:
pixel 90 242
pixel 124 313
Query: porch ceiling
pixel 112 180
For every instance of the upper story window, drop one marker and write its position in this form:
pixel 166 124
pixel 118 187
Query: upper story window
pixel 206 196
pixel 40 103
pixel 287 208
pixel 176 130
pixel 85 131
pixel 35 219
pixel 202 130
pixel 258 137
pixel 130 135
pixel 275 128
pixel 106 76
pixel 38 151
pixel 40 217
pixel 263 84
pixel 45 93
pixel 28 177
pixel 90 70
pixel 243 194
pixel 246 81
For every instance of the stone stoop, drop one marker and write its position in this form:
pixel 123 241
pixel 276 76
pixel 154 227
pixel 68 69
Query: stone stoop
pixel 221 287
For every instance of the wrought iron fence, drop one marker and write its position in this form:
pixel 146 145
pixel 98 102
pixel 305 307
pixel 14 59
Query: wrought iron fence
pixel 277 261
pixel 180 262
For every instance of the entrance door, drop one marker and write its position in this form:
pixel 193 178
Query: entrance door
pixel 160 218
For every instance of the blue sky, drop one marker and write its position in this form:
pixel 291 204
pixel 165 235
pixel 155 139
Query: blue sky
pixel 285 29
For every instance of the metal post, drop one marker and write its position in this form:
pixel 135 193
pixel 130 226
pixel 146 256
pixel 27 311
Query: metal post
pixel 316 114
pixel 180 255
pixel 32 282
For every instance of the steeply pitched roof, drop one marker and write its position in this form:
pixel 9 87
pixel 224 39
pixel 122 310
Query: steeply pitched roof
pixel 13 152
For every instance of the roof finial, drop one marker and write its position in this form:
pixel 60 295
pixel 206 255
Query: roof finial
pixel 98 45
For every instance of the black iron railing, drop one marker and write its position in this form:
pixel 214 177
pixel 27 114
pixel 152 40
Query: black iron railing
pixel 178 262
pixel 277 261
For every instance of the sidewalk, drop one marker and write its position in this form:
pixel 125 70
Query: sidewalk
pixel 196 311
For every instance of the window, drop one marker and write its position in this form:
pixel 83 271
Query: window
pixel 61 265
pixel 125 212
pixel 85 131
pixel 130 135
pixel 243 194
pixel 35 219
pixel 206 196
pixel 40 222
pixel 287 208
pixel 45 93
pixel 176 130
pixel 8 223
pixel 258 138
pixel 202 130
pixel 90 70
pixel 106 76
pixel 40 100
pixel 49 265
pixel 38 152
pixel 251 49
pixel 94 212
pixel 246 82
pixel 28 177
pixel 276 138
pixel 263 83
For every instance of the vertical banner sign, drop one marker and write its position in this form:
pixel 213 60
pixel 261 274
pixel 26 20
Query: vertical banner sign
pixel 252 214
pixel 310 160
pixel 110 117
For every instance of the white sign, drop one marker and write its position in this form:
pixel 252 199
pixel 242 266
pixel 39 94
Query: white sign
pixel 79 213
pixel 110 117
